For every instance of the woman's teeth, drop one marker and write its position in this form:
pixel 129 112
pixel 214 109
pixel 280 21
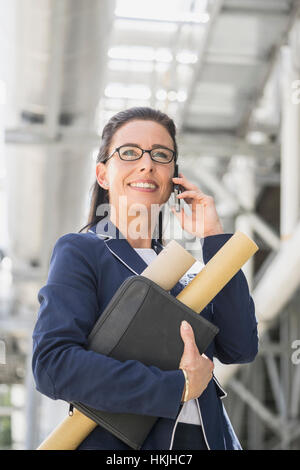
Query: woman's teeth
pixel 143 185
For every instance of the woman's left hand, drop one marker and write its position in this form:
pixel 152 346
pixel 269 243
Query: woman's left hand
pixel 204 220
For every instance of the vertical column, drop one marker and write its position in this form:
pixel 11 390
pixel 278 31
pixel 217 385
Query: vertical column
pixel 243 172
pixel 3 234
pixel 32 409
pixel 55 73
pixel 290 143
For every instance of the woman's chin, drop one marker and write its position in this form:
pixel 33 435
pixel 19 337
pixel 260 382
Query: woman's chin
pixel 148 203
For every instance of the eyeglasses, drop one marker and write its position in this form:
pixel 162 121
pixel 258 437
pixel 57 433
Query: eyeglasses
pixel 130 153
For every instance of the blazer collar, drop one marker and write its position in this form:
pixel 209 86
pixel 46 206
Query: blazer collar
pixel 119 246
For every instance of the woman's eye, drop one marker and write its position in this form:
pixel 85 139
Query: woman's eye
pixel 161 155
pixel 130 153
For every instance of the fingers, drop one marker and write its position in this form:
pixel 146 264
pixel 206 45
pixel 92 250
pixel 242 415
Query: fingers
pixel 190 346
pixel 186 183
pixel 193 193
pixel 210 362
pixel 199 366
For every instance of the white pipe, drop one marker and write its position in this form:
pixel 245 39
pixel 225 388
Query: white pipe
pixel 243 174
pixel 243 224
pixel 55 69
pixel 290 148
pixel 277 286
pixel 215 185
pixel 280 280
pixel 265 231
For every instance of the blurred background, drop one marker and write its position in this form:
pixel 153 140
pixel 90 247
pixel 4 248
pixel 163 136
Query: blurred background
pixel 228 73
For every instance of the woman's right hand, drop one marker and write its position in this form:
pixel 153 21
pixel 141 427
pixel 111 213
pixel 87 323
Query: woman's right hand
pixel 199 367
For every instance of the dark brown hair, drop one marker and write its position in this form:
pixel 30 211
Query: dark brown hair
pixel 99 194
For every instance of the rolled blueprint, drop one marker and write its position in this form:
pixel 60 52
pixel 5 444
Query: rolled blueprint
pixel 69 434
pixel 218 272
pixel 196 295
pixel 166 270
pixel 169 266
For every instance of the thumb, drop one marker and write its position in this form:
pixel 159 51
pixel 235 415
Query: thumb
pixel 188 337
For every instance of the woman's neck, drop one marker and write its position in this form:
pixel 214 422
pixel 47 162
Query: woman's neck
pixel 139 243
pixel 137 230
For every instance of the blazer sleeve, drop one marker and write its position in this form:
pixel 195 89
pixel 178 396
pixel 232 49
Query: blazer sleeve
pixel 64 369
pixel 233 312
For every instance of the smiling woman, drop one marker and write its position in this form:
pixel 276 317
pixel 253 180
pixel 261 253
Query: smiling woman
pixel 138 149
pixel 134 173
pixel 138 179
pixel 129 177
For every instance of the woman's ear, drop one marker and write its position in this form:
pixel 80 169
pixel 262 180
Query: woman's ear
pixel 101 170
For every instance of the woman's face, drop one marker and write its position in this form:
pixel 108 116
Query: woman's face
pixel 121 174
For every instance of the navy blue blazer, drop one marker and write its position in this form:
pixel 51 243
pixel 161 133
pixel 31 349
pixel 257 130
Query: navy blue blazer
pixel 85 271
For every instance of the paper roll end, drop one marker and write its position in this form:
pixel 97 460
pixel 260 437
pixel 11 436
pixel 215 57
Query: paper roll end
pixel 254 247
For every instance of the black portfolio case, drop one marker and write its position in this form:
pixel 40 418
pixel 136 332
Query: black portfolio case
pixel 142 322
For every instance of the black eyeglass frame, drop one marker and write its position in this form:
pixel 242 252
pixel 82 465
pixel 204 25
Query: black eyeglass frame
pixel 143 151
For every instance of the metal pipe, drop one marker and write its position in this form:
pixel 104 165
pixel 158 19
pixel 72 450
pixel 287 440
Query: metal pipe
pixel 290 149
pixel 265 231
pixel 269 418
pixel 275 288
pixel 243 173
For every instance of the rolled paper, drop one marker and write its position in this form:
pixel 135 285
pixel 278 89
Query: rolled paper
pixel 219 270
pixel 196 295
pixel 169 266
pixel 69 434
pixel 166 270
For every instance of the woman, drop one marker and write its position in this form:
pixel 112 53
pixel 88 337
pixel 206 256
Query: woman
pixel 135 168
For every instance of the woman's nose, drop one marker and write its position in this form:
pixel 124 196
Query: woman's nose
pixel 146 161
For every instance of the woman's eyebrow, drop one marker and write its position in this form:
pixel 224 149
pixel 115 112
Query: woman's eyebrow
pixel 138 145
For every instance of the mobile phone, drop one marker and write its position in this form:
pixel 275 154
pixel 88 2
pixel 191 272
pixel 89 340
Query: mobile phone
pixel 176 190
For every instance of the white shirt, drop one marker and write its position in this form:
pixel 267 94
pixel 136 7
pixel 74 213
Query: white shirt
pixel 189 411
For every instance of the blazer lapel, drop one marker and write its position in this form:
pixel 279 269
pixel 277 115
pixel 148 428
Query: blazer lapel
pixel 119 246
